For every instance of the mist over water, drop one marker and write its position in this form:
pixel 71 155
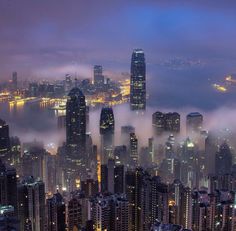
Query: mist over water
pixel 182 90
pixel 32 123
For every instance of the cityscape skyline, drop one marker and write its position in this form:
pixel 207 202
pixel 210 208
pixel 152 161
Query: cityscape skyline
pixel 197 52
pixel 117 116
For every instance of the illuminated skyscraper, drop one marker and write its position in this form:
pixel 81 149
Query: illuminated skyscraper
pixel 165 122
pixel 76 122
pixel 107 127
pixel 133 148
pixel 98 76
pixel 138 81
pixel 31 201
pixel 4 138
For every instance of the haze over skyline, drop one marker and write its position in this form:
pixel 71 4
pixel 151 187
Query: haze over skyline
pixel 186 44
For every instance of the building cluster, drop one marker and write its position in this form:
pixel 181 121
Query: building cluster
pixel 172 183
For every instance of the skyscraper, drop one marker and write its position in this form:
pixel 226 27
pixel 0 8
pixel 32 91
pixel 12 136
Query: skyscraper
pixel 68 83
pixel 74 214
pixel 8 182
pixel 98 76
pixel 165 122
pixel 223 161
pixel 76 122
pixel 133 148
pixel 194 122
pixel 125 134
pixel 56 218
pixel 107 127
pixel 31 204
pixel 112 177
pixel 109 212
pixel 4 138
pixel 138 81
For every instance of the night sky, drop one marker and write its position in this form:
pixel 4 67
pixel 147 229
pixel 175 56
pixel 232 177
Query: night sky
pixel 188 44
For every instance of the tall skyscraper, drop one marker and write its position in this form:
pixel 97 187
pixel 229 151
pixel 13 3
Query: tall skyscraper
pixel 4 138
pixel 165 122
pixel 98 76
pixel 133 148
pixel 76 122
pixel 138 81
pixel 31 204
pixel 138 191
pixel 194 121
pixel 107 127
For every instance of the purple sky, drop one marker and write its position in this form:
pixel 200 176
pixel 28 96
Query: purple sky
pixel 185 42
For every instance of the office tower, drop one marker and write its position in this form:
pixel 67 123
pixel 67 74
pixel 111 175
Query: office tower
pixel 223 160
pixel 8 185
pixel 138 81
pixel 31 204
pixel 109 212
pixel 125 134
pixel 68 83
pixel 89 187
pixel 165 122
pixel 56 213
pixel 4 139
pixel 194 123
pixel 98 78
pixel 134 148
pixel 14 81
pixel 112 177
pixel 107 127
pixel 76 123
